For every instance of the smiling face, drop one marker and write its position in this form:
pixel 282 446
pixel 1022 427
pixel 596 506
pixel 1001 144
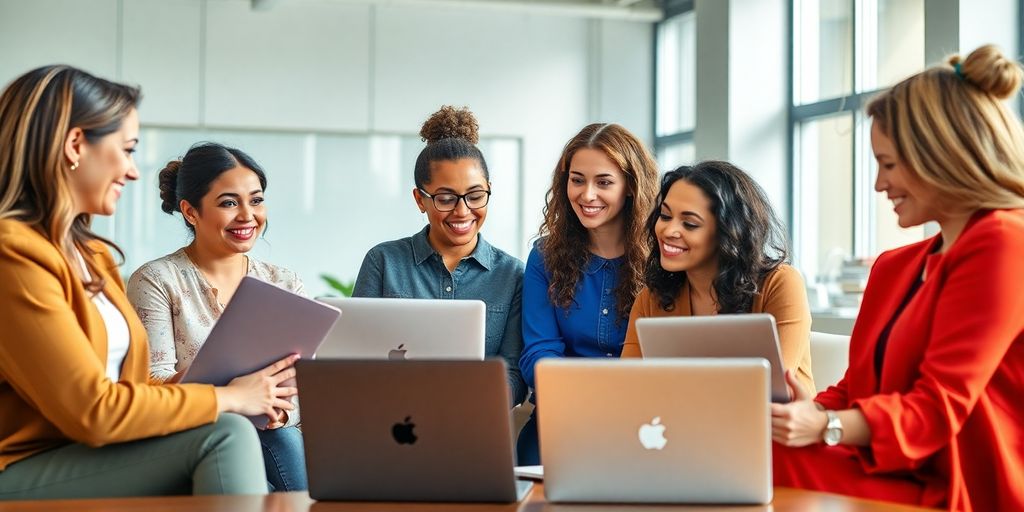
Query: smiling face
pixel 686 230
pixel 597 189
pixel 231 215
pixel 913 201
pixel 104 168
pixel 456 228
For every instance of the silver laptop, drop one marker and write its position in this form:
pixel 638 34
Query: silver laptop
pixel 749 335
pixel 408 431
pixel 655 431
pixel 406 329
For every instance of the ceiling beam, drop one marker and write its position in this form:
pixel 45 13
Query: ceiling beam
pixel 631 10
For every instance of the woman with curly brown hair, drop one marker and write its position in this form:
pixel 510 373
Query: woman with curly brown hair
pixel 448 258
pixel 717 247
pixel 584 272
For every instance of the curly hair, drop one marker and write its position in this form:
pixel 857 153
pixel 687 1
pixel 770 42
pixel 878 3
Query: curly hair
pixel 749 237
pixel 564 241
pixel 450 134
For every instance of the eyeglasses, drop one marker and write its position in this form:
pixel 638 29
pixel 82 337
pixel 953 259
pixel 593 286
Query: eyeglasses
pixel 446 202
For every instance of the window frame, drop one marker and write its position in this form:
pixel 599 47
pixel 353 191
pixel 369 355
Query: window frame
pixel 864 242
pixel 671 9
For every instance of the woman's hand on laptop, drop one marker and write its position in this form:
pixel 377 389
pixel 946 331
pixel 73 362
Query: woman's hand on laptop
pixel 800 422
pixel 260 392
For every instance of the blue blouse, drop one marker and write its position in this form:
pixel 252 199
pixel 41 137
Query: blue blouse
pixel 411 268
pixel 590 327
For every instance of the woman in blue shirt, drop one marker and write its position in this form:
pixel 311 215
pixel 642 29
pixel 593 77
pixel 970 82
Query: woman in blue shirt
pixel 449 259
pixel 586 269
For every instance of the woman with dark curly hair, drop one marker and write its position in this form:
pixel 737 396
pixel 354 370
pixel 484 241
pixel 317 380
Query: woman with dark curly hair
pixel 586 269
pixel 448 258
pixel 717 247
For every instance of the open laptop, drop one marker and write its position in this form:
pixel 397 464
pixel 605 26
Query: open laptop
pixel 372 328
pixel 410 431
pixel 655 431
pixel 749 335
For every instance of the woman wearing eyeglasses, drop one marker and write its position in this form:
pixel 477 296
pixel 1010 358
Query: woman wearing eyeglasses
pixel 448 258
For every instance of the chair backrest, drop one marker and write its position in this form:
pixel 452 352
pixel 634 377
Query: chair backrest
pixel 830 355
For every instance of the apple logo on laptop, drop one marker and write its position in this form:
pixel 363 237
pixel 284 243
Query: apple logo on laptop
pixel 402 432
pixel 652 435
pixel 397 354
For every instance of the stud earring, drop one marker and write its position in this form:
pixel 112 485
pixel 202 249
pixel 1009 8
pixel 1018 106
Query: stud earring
pixel 74 166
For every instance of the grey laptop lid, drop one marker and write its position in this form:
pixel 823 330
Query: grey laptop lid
pixel 408 431
pixel 655 431
pixel 747 335
pixel 262 324
pixel 374 328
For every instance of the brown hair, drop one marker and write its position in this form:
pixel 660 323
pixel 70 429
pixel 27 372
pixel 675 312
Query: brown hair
pixel 37 111
pixel 953 132
pixel 565 242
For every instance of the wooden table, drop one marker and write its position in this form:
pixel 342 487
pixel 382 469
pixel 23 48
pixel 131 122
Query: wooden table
pixel 785 499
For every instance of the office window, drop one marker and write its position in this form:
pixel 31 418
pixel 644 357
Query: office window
pixel 671 156
pixel 845 52
pixel 824 179
pixel 675 85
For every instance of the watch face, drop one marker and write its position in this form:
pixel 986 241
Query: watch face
pixel 832 436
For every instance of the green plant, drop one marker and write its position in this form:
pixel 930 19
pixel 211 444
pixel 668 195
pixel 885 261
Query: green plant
pixel 345 289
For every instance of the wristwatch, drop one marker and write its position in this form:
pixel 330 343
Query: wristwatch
pixel 833 429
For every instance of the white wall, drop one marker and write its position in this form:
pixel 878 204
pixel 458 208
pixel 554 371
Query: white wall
pixel 334 67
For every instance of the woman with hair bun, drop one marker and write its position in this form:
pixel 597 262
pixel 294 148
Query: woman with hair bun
pixel 929 410
pixel 449 258
pixel 218 191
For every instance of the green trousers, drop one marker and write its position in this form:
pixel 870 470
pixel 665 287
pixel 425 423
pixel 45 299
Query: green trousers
pixel 220 458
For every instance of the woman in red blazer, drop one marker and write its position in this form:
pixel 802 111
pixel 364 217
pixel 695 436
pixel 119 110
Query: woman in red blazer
pixel 929 411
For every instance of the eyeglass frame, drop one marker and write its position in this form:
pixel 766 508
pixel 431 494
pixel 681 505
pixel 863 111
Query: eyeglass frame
pixel 458 197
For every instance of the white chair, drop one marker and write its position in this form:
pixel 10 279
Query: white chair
pixel 830 355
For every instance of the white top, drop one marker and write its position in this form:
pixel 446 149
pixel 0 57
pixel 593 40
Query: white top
pixel 179 307
pixel 118 337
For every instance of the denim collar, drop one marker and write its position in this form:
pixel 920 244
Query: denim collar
pixel 421 249
pixel 595 263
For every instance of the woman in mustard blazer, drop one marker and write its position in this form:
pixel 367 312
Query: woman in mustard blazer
pixel 74 361
pixel 929 411
pixel 716 246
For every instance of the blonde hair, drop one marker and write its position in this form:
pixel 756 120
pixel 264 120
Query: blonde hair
pixel 953 131
pixel 37 110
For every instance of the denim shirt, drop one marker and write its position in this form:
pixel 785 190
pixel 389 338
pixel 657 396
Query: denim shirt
pixel 590 327
pixel 411 268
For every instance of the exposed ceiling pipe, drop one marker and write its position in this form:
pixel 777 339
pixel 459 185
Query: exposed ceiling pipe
pixel 631 10
pixel 263 5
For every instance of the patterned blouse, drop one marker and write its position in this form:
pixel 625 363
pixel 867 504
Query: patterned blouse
pixel 178 307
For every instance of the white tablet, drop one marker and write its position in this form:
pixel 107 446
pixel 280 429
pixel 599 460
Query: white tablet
pixel 746 335
pixel 262 324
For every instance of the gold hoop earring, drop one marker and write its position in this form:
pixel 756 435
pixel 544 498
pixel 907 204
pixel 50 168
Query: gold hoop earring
pixel 74 166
